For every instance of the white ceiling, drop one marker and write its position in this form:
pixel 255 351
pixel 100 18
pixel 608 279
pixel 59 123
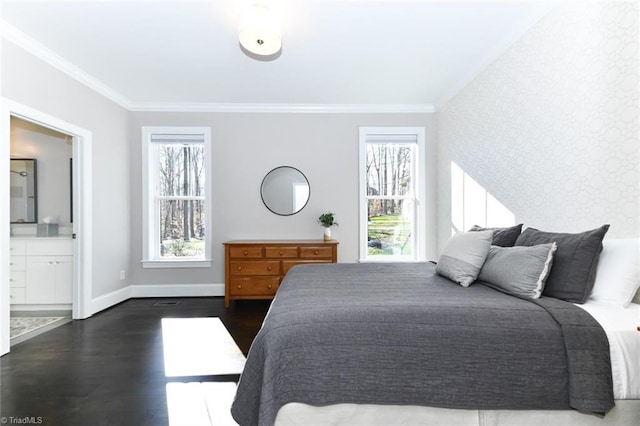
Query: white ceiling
pixel 173 54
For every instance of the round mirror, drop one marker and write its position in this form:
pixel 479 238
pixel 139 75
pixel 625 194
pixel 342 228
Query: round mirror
pixel 285 190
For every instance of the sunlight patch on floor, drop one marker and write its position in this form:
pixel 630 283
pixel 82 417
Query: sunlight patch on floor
pixel 200 404
pixel 196 347
pixel 199 347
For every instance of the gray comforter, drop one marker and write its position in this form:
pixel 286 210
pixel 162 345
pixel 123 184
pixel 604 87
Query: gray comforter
pixel 401 334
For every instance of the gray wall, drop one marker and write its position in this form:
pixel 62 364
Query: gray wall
pixel 550 128
pixel 31 82
pixel 245 147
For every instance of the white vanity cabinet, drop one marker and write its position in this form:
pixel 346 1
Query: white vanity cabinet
pixel 17 271
pixel 43 270
pixel 49 279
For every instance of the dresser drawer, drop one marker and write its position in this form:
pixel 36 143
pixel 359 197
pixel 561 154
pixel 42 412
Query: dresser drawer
pixel 288 264
pixel 316 253
pixel 17 279
pixel 17 295
pixel 245 252
pixel 17 263
pixel 258 267
pixel 50 247
pixel 17 247
pixel 285 252
pixel 263 286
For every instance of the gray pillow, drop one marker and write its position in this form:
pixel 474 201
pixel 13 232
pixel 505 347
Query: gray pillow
pixel 574 264
pixel 503 237
pixel 463 256
pixel 520 271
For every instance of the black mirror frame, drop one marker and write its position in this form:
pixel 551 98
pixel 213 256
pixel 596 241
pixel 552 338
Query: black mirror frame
pixel 262 186
pixel 35 191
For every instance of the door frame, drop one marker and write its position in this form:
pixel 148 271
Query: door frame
pixel 82 211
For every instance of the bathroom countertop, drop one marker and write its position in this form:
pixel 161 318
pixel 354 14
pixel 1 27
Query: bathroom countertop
pixel 35 237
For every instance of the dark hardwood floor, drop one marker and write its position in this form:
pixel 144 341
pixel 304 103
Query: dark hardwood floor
pixel 108 369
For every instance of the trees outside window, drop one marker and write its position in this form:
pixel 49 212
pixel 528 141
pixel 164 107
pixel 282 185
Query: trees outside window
pixel 176 194
pixel 391 193
pixel 180 199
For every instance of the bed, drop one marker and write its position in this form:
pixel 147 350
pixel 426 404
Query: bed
pixel 399 343
pixel 620 325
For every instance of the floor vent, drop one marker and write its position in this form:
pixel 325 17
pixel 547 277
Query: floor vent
pixel 167 303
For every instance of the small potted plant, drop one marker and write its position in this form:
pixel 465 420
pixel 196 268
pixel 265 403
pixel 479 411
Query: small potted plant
pixel 327 220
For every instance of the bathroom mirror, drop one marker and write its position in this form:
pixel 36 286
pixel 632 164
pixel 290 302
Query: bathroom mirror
pixel 285 190
pixel 23 191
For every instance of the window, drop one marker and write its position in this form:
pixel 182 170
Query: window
pixel 176 192
pixel 392 190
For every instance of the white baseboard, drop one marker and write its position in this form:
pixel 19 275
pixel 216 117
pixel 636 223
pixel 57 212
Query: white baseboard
pixel 177 290
pixel 105 301
pixel 165 290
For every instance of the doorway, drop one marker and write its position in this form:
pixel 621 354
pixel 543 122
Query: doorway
pixel 41 249
pixel 80 170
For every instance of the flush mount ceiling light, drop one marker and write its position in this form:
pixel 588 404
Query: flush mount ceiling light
pixel 259 30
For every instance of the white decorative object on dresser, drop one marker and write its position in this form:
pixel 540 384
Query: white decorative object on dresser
pixel 41 270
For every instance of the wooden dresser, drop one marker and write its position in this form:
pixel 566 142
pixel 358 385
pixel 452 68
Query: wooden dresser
pixel 254 269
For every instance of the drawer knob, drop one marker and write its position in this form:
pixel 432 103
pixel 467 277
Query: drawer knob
pixel 281 253
pixel 246 252
pixel 239 268
pixel 268 268
pixel 10 263
pixel 269 286
pixel 239 286
pixel 316 252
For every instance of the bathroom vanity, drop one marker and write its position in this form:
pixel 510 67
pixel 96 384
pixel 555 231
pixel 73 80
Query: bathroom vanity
pixel 41 270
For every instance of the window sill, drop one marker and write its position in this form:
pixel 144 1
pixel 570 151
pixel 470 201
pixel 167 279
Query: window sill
pixel 190 263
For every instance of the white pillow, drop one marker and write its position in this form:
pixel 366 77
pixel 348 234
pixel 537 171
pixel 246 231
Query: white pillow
pixel 618 273
pixel 463 256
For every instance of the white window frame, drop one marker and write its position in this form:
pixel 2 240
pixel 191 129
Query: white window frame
pixel 150 226
pixel 399 135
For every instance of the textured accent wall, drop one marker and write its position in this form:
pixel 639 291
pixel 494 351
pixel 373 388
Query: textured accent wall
pixel 550 128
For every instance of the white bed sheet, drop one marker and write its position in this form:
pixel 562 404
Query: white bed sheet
pixel 625 413
pixel 620 324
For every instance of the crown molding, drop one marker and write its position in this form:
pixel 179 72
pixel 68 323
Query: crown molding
pixel 284 108
pixel 17 37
